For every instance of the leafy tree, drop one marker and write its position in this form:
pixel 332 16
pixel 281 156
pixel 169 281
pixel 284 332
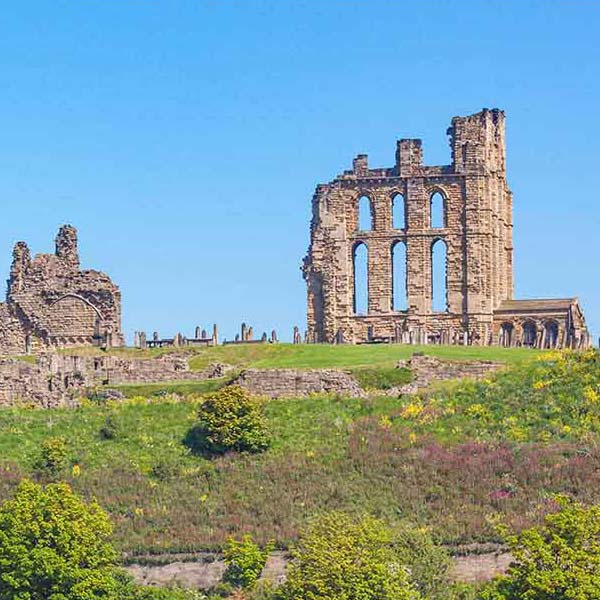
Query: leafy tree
pixel 245 561
pixel 229 419
pixel 54 546
pixel 559 560
pixel 427 563
pixel 340 559
pixel 156 593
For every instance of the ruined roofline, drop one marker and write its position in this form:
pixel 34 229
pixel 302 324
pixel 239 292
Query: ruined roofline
pixel 464 143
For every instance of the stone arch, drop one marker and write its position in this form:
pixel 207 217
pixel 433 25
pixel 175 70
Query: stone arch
pixel 72 315
pixel 530 331
pixel 550 333
pixel 399 274
pixel 507 332
pixel 439 275
pixel 78 297
pixel 360 272
pixel 365 216
pixel 398 211
pixel 437 209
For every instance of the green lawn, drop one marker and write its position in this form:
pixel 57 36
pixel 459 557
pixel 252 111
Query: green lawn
pixel 307 356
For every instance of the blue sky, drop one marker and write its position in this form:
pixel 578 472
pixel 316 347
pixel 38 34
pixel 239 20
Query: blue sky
pixel 184 138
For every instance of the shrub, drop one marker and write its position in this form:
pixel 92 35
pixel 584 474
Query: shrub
pixel 245 562
pixel 164 469
pixel 558 560
pixel 339 559
pixel 427 563
pixel 54 454
pixel 111 429
pixel 156 593
pixel 229 419
pixel 54 545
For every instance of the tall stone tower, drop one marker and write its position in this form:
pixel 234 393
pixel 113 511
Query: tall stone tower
pixel 473 230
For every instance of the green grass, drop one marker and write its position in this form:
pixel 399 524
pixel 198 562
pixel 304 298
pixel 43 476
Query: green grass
pixel 308 356
pixel 381 378
pixel 183 388
pixel 451 460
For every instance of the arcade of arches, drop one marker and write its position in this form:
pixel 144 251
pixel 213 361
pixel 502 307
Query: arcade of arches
pixel 424 254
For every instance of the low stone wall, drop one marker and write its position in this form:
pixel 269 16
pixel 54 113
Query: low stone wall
pixel 427 369
pixel 114 370
pixel 39 384
pixel 281 383
pixel 57 379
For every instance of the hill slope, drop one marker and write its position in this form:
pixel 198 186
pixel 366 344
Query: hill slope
pixel 451 460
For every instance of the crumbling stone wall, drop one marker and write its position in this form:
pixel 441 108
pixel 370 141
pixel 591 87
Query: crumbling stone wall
pixel 281 383
pixel 427 369
pixel 476 230
pixel 52 303
pixel 59 379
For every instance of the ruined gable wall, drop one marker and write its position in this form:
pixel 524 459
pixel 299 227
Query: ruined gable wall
pixel 477 233
pixel 51 302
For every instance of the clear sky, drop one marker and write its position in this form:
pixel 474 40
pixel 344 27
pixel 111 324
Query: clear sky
pixel 184 138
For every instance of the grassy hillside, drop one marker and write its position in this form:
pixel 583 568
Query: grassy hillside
pixel 451 460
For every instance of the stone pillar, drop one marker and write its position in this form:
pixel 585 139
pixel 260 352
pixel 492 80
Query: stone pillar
pixel 66 246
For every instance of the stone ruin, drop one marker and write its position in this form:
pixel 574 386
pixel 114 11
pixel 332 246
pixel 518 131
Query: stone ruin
pixel 246 336
pixel 52 303
pixel 200 339
pixel 463 211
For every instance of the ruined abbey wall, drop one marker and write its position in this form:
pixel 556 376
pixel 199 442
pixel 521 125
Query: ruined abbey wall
pixel 52 303
pixel 475 229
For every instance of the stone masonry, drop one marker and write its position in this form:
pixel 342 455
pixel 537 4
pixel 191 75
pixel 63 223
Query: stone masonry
pixel 52 303
pixel 55 379
pixel 427 369
pixel 475 230
pixel 295 383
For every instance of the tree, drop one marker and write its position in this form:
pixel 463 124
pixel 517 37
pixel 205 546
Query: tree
pixel 559 560
pixel 229 419
pixel 245 561
pixel 340 559
pixel 54 546
pixel 428 564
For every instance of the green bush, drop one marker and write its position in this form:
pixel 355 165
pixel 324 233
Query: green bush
pixel 156 593
pixel 229 419
pixel 557 561
pixel 54 455
pixel 340 559
pixel 427 563
pixel 111 428
pixel 164 469
pixel 245 562
pixel 55 546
